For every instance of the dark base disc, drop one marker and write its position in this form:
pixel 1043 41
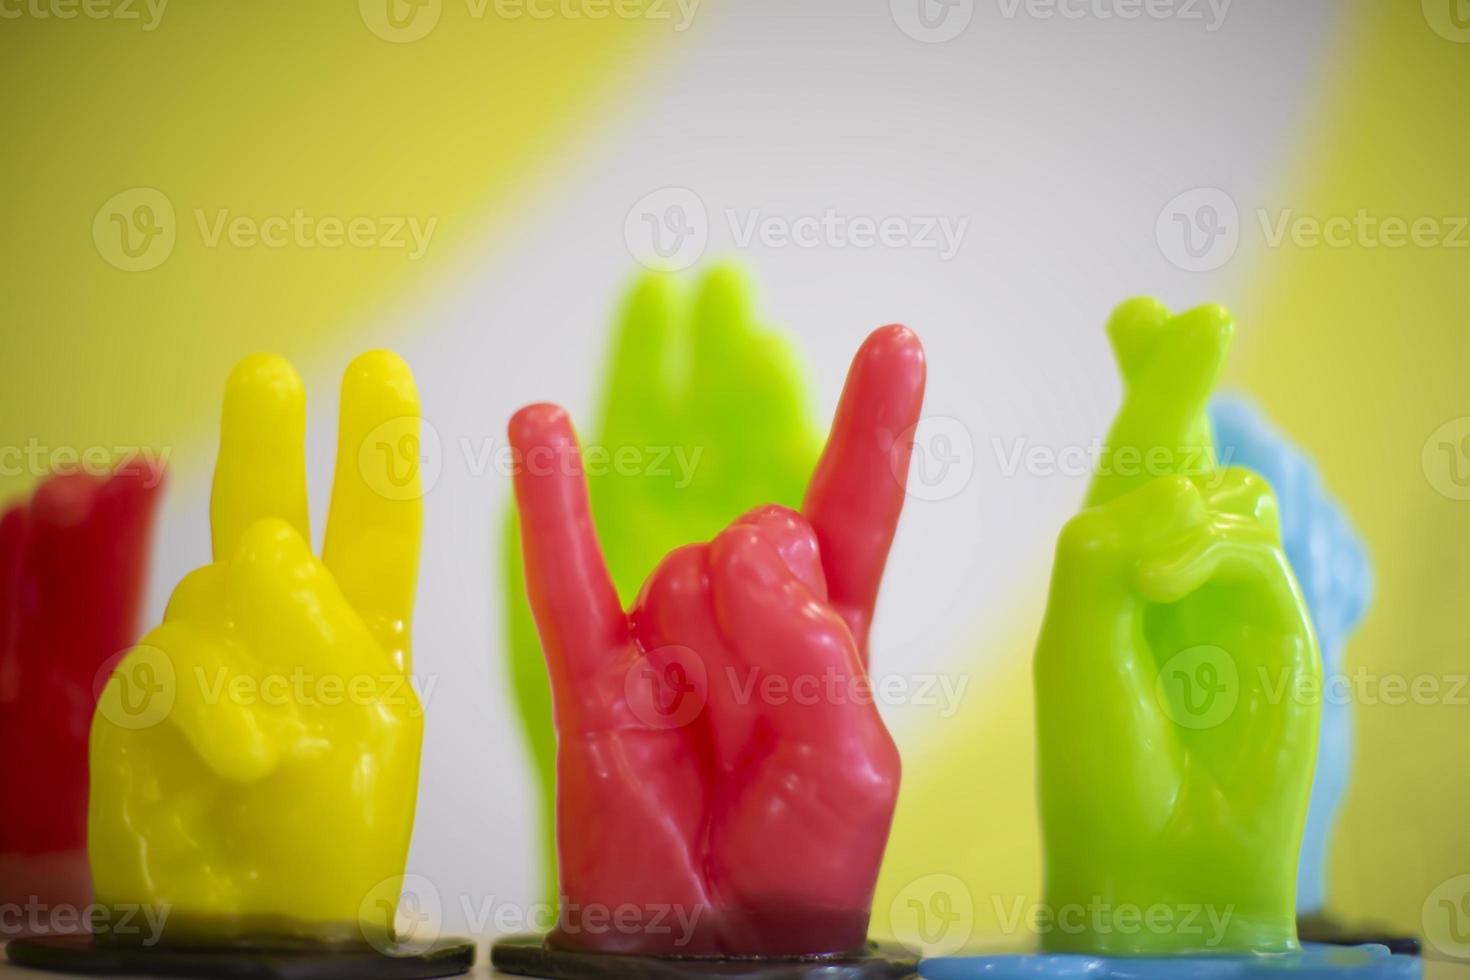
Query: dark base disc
pixel 528 956
pixel 1322 929
pixel 79 954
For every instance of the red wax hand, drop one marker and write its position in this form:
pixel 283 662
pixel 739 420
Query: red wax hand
pixel 72 566
pixel 705 804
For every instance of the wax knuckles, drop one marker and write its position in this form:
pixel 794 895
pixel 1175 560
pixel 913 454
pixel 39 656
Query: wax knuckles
pixel 255 757
pixel 73 562
pixel 760 817
pixel 1175 753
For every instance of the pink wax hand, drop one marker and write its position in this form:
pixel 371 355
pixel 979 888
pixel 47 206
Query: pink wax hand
pixel 699 811
pixel 72 568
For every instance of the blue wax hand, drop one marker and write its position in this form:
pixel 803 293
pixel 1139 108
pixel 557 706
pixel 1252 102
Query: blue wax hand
pixel 1332 568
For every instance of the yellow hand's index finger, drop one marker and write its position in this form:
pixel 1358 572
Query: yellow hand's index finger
pixel 261 467
pixel 377 513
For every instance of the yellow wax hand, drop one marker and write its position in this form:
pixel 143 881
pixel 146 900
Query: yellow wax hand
pixel 254 760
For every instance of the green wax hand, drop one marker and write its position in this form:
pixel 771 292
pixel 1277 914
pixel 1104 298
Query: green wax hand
pixel 1175 678
pixel 704 418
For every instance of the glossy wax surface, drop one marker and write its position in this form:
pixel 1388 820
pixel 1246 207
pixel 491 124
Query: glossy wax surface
pixel 255 758
pixel 1176 678
pixel 1331 564
pixel 690 779
pixel 704 417
pixel 73 564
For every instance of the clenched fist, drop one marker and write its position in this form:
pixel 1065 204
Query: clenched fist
pixel 687 791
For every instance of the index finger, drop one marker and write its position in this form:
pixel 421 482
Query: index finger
pixel 857 491
pixel 572 597
pixel 1168 373
pixel 377 512
pixel 261 467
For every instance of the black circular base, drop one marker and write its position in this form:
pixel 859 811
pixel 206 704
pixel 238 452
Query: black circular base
pixel 1321 929
pixel 79 954
pixel 528 956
